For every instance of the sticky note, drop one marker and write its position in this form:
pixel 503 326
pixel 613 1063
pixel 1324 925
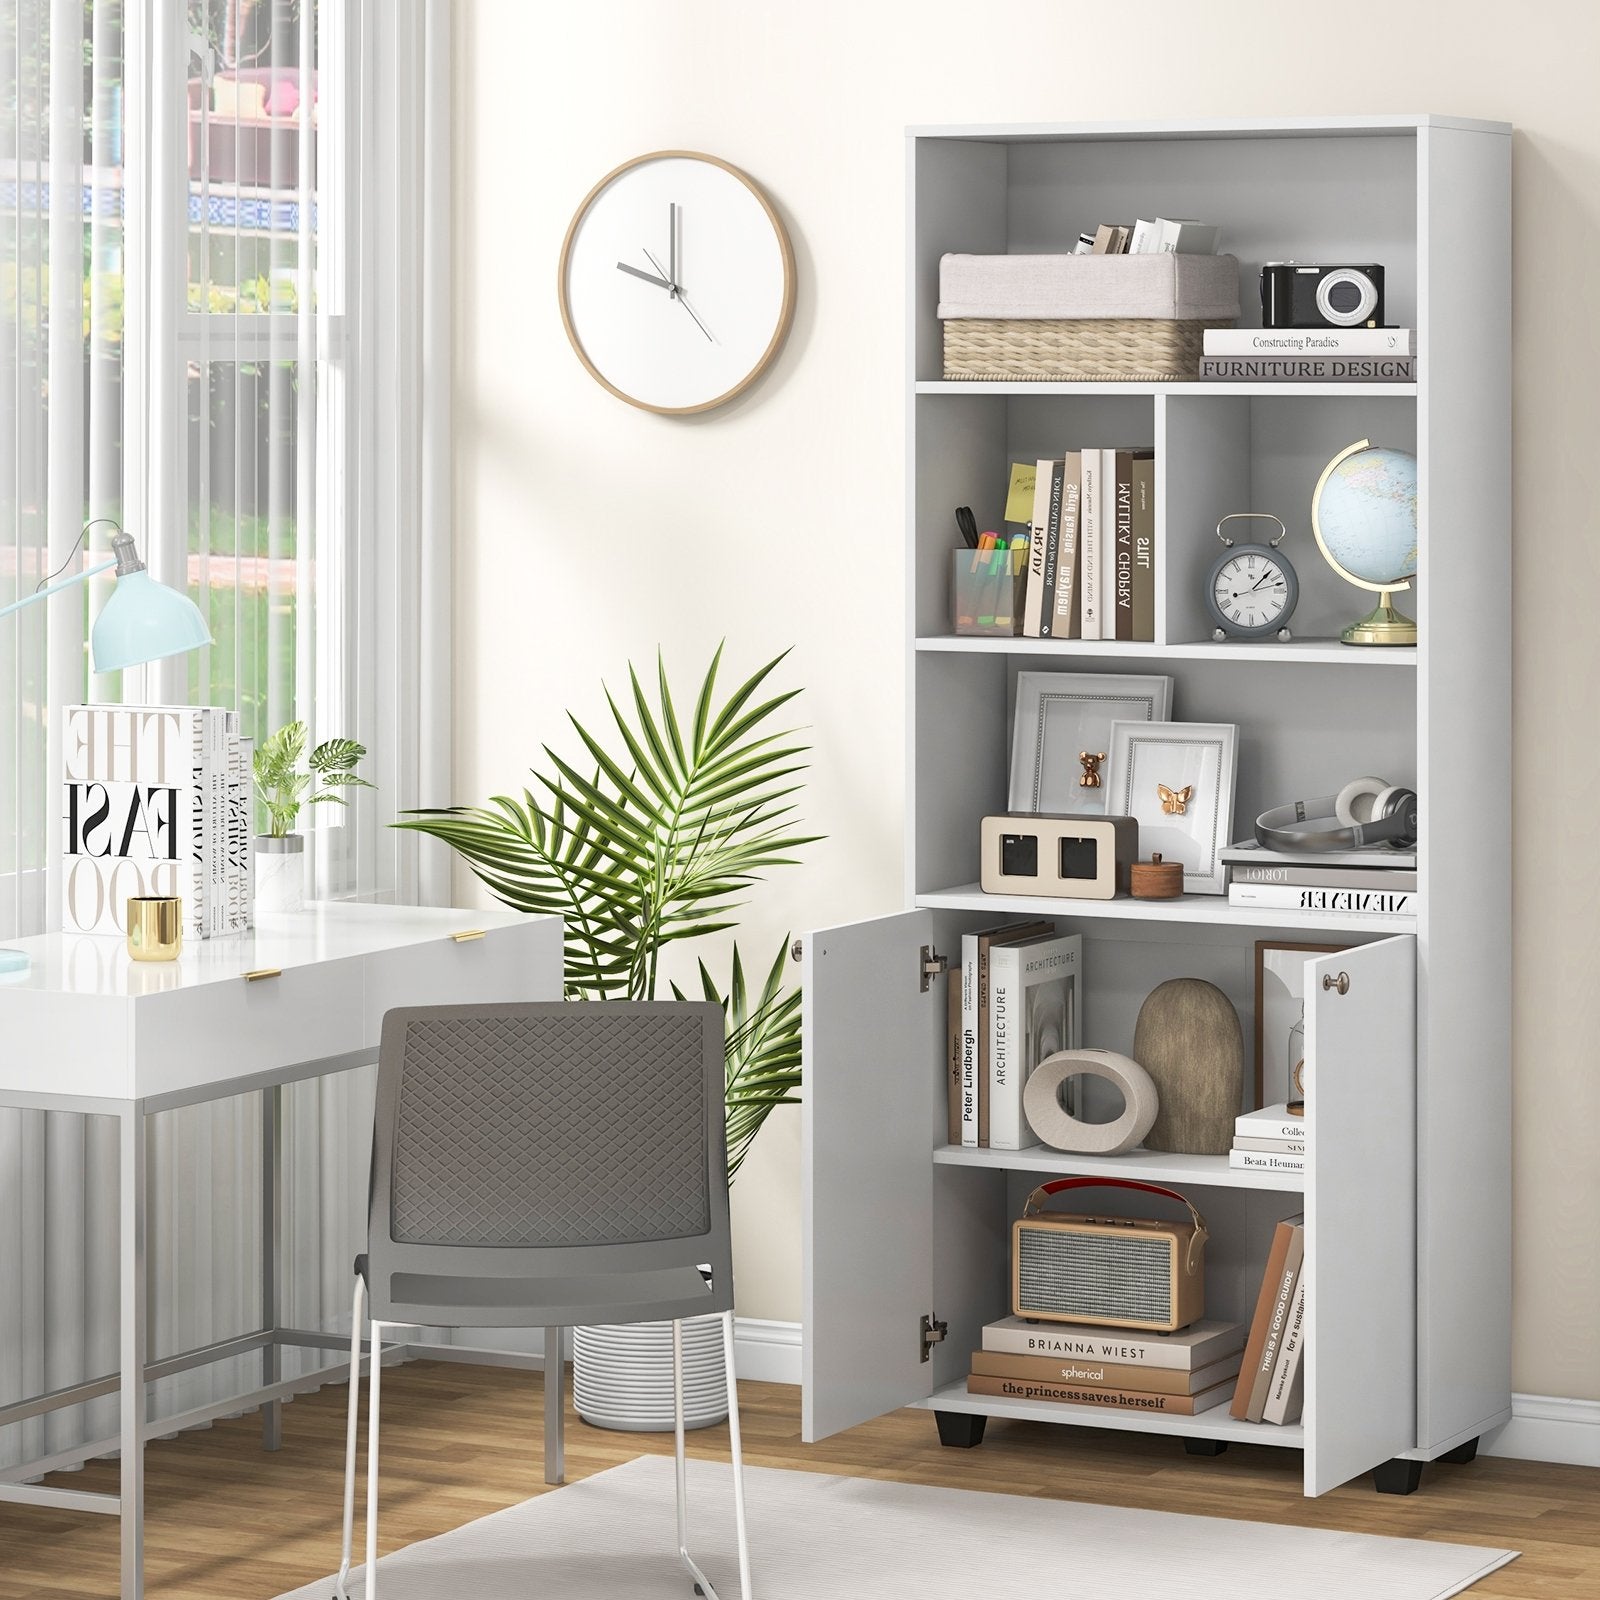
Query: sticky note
pixel 1019 497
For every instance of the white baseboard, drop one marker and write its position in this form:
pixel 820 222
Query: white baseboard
pixel 1548 1428
pixel 763 1351
pixel 766 1352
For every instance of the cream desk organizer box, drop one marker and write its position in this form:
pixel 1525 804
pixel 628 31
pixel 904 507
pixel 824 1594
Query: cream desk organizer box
pixel 1084 319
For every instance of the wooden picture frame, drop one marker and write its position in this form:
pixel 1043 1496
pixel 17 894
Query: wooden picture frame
pixel 1263 946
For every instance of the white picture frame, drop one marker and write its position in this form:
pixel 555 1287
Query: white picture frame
pixel 1059 714
pixel 1192 828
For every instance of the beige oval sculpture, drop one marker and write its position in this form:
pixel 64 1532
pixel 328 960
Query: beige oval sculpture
pixel 1188 1039
pixel 1041 1102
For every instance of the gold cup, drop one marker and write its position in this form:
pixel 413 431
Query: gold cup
pixel 155 927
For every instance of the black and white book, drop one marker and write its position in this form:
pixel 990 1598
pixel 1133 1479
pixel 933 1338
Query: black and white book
pixel 1270 1122
pixel 1353 902
pixel 1249 852
pixel 1310 342
pixel 1308 369
pixel 1090 513
pixel 1263 1161
pixel 1273 1147
pixel 1033 1012
pixel 136 802
pixel 1395 879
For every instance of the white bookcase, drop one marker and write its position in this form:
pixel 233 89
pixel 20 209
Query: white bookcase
pixel 1406 1193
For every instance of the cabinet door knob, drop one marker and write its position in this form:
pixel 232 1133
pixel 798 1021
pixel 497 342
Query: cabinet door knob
pixel 1341 983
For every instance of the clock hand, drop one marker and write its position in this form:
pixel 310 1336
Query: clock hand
pixel 671 283
pixel 672 240
pixel 649 277
pixel 677 294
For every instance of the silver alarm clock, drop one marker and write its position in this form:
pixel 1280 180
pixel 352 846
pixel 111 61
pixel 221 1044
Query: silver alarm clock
pixel 1251 590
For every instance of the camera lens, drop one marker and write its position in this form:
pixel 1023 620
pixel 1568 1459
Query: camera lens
pixel 1346 297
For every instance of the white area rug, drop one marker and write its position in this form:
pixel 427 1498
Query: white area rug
pixel 817 1537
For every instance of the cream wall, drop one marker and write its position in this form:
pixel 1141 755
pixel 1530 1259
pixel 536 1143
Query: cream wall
pixel 588 532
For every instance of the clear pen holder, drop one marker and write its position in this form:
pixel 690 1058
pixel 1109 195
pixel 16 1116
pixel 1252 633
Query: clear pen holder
pixel 986 591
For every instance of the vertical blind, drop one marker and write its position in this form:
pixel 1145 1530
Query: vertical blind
pixel 221 285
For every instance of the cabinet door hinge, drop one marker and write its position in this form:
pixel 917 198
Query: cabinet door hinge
pixel 933 1332
pixel 932 965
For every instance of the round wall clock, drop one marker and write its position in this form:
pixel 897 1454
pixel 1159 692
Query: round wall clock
pixel 677 282
pixel 1251 590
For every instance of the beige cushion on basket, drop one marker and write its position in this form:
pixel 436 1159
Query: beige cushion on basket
pixel 1182 288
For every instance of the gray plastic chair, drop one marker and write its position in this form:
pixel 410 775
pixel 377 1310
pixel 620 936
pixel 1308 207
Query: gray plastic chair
pixel 540 1165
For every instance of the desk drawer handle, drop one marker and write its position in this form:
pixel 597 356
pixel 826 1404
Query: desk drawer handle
pixel 263 972
pixel 467 934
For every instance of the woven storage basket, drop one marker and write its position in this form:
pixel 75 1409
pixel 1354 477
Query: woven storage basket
pixel 1106 319
pixel 1070 349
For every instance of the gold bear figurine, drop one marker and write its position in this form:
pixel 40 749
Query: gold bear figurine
pixel 1091 769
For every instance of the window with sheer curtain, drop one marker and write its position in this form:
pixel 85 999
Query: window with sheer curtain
pixel 223 273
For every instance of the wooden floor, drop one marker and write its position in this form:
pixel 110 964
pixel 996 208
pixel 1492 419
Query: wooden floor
pixel 226 1520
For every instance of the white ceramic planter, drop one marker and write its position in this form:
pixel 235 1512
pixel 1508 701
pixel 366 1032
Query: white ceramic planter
pixel 280 868
pixel 622 1375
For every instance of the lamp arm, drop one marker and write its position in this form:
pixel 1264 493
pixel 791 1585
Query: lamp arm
pixel 56 588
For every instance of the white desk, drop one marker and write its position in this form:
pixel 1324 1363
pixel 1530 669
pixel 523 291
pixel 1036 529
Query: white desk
pixel 88 1030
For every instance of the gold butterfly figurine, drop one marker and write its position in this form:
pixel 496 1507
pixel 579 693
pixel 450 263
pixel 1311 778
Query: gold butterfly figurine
pixel 1175 802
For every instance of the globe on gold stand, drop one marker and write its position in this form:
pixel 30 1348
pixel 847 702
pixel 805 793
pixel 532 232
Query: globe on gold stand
pixel 1364 514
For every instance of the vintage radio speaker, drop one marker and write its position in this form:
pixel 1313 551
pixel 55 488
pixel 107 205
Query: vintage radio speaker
pixel 1123 1272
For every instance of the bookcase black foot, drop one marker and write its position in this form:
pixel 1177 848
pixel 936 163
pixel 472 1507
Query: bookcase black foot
pixel 960 1429
pixel 1205 1447
pixel 1397 1477
pixel 1462 1454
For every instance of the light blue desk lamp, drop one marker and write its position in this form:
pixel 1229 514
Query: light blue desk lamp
pixel 141 621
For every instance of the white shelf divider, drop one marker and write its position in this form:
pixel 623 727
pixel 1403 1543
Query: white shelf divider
pixel 1147 1166
pixel 1294 652
pixel 1187 908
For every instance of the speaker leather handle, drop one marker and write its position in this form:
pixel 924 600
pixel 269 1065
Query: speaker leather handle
pixel 1035 1205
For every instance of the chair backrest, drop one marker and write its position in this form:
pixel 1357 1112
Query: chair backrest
pixel 529 1158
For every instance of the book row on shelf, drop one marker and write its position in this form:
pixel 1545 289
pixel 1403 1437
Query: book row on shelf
pixel 1256 1369
pixel 156 803
pixel 1309 355
pixel 1085 568
pixel 1370 882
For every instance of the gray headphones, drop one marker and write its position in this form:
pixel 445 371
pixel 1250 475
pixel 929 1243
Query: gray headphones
pixel 1367 811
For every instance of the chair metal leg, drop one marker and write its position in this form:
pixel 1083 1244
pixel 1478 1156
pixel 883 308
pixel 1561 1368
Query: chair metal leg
pixel 373 1384
pixel 341 1588
pixel 736 1448
pixel 702 1584
pixel 555 1466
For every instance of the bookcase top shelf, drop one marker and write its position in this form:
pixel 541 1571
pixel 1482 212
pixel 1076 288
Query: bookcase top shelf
pixel 1273 391
pixel 1187 908
pixel 1300 652
pixel 1400 125
pixel 1147 1166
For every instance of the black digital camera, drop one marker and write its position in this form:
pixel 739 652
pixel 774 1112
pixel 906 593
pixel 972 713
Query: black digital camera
pixel 1297 296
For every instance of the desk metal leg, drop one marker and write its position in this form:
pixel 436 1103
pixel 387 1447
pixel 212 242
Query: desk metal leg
pixel 132 1259
pixel 554 1413
pixel 271 1274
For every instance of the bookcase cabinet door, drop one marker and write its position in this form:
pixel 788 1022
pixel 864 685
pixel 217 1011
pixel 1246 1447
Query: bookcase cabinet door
pixel 1361 1210
pixel 872 1045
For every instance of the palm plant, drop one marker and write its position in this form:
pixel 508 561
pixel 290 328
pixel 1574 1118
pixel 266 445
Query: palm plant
pixel 653 844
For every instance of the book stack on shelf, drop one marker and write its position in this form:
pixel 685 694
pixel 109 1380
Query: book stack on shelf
pixel 1309 355
pixel 1271 1381
pixel 156 802
pixel 1016 1002
pixel 1378 882
pixel 1091 551
pixel 1269 1140
pixel 1181 1374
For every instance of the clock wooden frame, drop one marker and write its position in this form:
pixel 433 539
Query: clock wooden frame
pixel 785 313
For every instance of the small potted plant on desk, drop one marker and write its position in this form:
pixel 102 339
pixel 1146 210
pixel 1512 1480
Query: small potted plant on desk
pixel 642 848
pixel 283 787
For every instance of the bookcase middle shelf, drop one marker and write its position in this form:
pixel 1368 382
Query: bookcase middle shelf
pixel 1147 1166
